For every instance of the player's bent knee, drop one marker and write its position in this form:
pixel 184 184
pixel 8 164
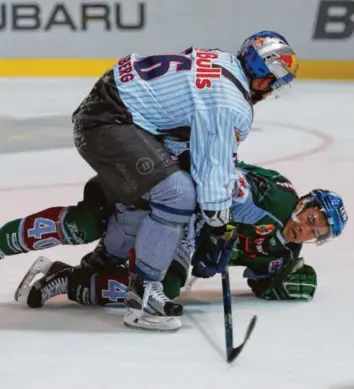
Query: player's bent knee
pixel 175 199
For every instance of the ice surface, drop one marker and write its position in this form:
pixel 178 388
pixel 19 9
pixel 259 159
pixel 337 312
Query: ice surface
pixel 308 135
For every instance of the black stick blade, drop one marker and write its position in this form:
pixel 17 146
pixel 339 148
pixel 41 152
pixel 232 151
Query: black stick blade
pixel 235 352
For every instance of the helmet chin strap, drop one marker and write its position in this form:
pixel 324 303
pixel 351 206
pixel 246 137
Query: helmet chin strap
pixel 303 204
pixel 256 96
pixel 294 217
pixel 300 206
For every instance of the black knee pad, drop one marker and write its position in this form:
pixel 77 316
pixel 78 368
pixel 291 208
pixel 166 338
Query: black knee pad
pixel 95 200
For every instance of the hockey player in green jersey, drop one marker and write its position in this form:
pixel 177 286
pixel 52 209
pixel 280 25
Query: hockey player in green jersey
pixel 272 223
pixel 269 222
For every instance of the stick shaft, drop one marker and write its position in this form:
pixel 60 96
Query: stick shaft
pixel 228 322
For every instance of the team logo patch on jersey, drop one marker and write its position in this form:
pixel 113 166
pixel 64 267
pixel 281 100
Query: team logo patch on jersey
pixel 275 265
pixel 242 187
pixel 273 242
pixel 77 236
pixel 264 229
pixel 259 246
pixel 237 135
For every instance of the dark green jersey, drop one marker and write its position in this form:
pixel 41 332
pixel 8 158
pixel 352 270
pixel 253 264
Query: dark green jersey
pixel 263 201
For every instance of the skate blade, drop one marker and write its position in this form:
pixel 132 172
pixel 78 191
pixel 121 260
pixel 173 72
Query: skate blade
pixel 40 266
pixel 135 318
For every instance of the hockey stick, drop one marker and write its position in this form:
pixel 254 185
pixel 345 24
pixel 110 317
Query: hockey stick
pixel 190 283
pixel 231 352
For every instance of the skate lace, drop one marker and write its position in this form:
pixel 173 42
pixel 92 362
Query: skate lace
pixel 156 293
pixel 54 288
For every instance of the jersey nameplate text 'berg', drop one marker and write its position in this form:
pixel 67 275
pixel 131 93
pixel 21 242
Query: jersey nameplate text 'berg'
pixel 125 69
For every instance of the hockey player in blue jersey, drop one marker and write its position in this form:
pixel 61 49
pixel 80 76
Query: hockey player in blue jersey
pixel 202 97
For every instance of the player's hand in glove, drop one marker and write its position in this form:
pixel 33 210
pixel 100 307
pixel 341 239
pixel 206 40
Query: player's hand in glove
pixel 213 250
pixel 300 284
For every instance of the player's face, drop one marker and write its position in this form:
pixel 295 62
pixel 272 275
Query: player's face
pixel 262 84
pixel 311 226
pixel 260 88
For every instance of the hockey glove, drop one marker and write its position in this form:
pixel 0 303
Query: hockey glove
pixel 299 285
pixel 213 251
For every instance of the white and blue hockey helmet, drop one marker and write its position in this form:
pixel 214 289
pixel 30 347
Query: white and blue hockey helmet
pixel 268 54
pixel 331 206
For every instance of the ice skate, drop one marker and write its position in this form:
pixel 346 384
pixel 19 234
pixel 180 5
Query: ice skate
pixel 45 279
pixel 148 308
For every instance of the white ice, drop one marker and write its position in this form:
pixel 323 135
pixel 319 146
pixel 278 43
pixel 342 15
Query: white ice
pixel 307 135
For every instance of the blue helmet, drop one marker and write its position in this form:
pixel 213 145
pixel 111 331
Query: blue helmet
pixel 332 206
pixel 268 53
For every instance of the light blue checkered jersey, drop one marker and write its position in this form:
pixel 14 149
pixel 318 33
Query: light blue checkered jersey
pixel 164 92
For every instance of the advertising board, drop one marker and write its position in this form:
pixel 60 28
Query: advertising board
pixel 85 37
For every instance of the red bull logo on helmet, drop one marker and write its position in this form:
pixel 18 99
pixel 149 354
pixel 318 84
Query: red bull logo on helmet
pixel 290 62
